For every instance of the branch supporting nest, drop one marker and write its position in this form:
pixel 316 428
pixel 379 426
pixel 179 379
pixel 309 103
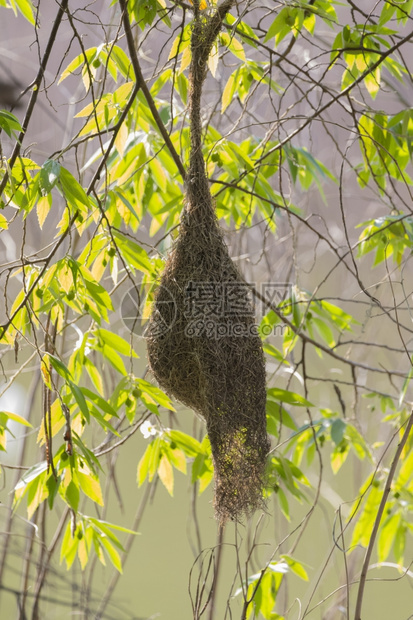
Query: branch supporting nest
pixel 211 362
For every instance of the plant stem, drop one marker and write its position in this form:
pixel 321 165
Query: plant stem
pixel 214 587
pixel 9 523
pixel 140 80
pixel 45 564
pixel 128 545
pixel 35 86
pixel 387 489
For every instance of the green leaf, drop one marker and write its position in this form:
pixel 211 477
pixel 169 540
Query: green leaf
pixel 95 375
pixel 275 353
pixel 48 176
pixel 122 62
pixel 189 445
pixel 59 367
pixel 295 566
pixel 181 42
pixel 279 415
pixel 30 475
pixel 364 525
pixel 9 123
pixel 155 394
pixel 339 455
pixel 234 46
pixel 265 595
pixel 91 460
pixel 202 468
pixel 115 342
pixel 325 331
pixel 133 253
pixel 106 527
pixel 387 536
pixel 286 396
pixel 143 465
pixel 177 458
pixel 84 546
pixel 282 498
pixel 244 31
pixel 338 428
pixel 73 191
pixel 102 421
pixel 69 547
pixel 37 492
pixel 77 62
pixel 278 29
pixel 26 9
pixel 72 495
pixel 3 222
pixel 52 489
pixel 80 399
pixel 8 415
pixel 101 402
pixel 115 360
pixel 90 487
pixel 400 544
pixel 114 556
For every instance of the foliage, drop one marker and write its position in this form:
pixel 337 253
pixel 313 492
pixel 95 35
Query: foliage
pixel 335 323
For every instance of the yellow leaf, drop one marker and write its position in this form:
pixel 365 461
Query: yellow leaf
pixel 45 369
pixel 372 82
pixel 204 481
pixel 43 208
pixel 228 93
pixel 121 138
pixel 213 59
pixel 186 59
pixel 202 5
pixel 57 419
pixel 165 473
pixel 90 487
pixel 99 266
pixel 83 553
pixel 17 418
pixel 178 460
pixel 361 63
pixel 37 494
pixel 65 278
pixel 121 94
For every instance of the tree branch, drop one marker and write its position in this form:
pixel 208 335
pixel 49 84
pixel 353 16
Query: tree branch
pixel 35 86
pixel 140 80
pixel 387 489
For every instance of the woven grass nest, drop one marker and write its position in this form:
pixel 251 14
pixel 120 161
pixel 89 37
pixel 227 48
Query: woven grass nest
pixel 193 351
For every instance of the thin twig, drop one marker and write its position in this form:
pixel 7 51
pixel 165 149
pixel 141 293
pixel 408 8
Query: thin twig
pixel 35 87
pixel 140 80
pixel 218 562
pixel 46 563
pixel 377 521
pixel 116 575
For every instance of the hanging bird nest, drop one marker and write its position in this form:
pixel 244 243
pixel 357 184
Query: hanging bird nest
pixel 203 347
